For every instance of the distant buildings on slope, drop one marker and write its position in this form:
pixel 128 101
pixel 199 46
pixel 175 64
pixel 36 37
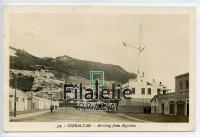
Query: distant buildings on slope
pixel 46 91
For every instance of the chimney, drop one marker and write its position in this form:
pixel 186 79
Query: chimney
pixel 143 74
pixel 153 80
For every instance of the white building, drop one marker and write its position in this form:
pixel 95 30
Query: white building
pixel 43 103
pixel 142 93
pixel 21 100
pixel 142 88
pixel 26 102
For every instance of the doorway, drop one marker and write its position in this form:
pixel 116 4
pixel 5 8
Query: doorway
pixel 171 107
pixel 188 108
pixel 180 108
pixel 162 109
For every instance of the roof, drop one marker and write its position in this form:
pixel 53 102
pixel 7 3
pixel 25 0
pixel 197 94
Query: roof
pixel 12 92
pixel 148 83
pixel 182 75
pixel 163 96
pixel 42 99
pixel 154 97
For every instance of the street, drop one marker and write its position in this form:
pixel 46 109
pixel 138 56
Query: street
pixel 74 115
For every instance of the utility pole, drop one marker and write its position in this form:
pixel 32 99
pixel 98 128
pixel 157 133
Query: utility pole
pixel 15 109
pixel 138 48
pixel 51 107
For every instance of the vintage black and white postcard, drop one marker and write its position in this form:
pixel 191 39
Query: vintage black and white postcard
pixel 99 68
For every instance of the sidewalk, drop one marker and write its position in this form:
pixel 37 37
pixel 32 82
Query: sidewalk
pixel 28 114
pixel 27 111
pixel 160 117
pixel 133 118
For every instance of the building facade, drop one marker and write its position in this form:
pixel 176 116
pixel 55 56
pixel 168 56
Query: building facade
pixel 27 102
pixel 142 93
pixel 176 103
pixel 21 100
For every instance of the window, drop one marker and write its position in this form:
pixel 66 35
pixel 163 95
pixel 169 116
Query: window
pixel 23 99
pixel 180 86
pixel 16 99
pixel 158 91
pixel 149 91
pixel 143 90
pixel 187 85
pixel 133 90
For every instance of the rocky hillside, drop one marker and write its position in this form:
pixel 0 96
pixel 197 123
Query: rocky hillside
pixel 65 66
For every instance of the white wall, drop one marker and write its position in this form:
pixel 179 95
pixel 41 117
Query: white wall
pixel 21 102
pixel 140 83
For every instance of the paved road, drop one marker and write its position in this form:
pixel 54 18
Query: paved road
pixel 73 115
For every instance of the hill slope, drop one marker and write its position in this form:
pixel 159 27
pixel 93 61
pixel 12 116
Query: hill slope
pixel 65 66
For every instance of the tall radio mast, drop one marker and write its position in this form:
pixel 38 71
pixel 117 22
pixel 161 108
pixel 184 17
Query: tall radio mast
pixel 138 48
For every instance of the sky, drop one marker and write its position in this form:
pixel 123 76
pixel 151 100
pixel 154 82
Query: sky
pixel 99 37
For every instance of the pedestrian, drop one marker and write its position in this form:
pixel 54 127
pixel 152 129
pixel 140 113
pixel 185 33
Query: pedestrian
pixel 51 108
